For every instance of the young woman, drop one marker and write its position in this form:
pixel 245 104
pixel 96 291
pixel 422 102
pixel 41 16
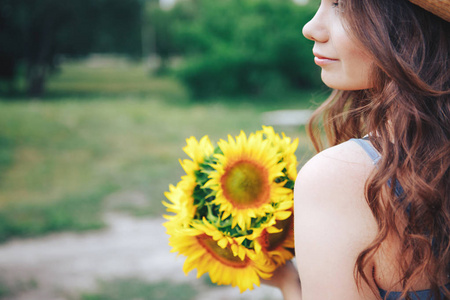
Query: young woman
pixel 372 212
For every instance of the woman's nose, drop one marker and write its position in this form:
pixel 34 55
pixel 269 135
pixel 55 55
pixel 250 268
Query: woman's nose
pixel 316 30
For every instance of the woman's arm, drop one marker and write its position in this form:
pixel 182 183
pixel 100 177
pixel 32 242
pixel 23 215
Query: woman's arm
pixel 333 223
pixel 287 280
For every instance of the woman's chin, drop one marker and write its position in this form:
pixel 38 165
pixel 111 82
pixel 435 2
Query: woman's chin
pixel 341 82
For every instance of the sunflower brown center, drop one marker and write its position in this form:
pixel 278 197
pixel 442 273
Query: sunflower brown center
pixel 223 255
pixel 276 239
pixel 245 184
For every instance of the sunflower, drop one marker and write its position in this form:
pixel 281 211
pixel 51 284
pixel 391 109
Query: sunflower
pixel 181 201
pixel 286 147
pixel 245 183
pixel 199 244
pixel 275 237
pixel 181 197
pixel 232 211
pixel 277 242
pixel 198 151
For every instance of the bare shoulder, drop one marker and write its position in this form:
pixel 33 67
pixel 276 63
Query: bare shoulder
pixel 333 222
pixel 345 159
pixel 339 172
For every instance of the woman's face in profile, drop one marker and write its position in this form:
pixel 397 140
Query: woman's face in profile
pixel 345 65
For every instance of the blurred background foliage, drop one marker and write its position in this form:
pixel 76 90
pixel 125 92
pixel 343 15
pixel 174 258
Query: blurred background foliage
pixel 97 98
pixel 227 47
pixel 35 34
pixel 244 47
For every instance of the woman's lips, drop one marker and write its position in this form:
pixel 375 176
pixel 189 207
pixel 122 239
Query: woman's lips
pixel 323 60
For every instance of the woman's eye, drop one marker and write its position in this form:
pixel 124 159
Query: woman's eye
pixel 335 3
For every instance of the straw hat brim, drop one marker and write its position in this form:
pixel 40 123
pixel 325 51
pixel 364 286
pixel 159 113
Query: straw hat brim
pixel 440 8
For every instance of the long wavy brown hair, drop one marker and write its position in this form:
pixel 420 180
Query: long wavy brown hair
pixel 407 117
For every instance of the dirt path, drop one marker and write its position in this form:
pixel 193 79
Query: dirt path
pixel 61 266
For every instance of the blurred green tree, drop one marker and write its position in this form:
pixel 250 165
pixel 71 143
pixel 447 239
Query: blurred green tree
pixel 252 47
pixel 37 31
pixel 160 30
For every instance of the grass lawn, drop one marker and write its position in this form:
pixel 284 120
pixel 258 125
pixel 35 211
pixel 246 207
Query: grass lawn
pixel 105 130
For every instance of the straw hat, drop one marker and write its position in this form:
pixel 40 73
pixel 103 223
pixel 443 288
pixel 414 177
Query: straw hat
pixel 440 8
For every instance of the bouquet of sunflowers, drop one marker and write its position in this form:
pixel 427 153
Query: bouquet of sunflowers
pixel 232 211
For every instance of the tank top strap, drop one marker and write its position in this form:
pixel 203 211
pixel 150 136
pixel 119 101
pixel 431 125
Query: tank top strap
pixel 375 156
pixel 370 150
